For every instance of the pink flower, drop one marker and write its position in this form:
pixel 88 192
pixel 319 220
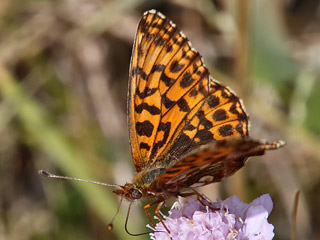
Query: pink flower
pixel 228 219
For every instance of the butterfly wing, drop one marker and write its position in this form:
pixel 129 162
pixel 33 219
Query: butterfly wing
pixel 215 162
pixel 174 106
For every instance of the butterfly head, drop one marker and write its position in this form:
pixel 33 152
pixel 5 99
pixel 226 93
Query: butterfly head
pixel 134 191
pixel 130 191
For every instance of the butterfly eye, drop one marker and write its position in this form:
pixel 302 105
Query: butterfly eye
pixel 136 194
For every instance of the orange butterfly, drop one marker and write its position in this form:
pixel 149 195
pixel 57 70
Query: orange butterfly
pixel 186 129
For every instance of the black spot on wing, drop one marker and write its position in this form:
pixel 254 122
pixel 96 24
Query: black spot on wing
pixel 183 105
pixel 233 109
pixel 144 146
pixel 168 103
pixel 166 80
pixel 157 68
pixel 213 101
pixel 151 109
pixel 226 130
pixel 175 66
pixel 146 92
pixel 219 115
pixel 193 93
pixel 186 80
pixel 142 73
pixel 169 48
pixel 204 135
pixel 144 128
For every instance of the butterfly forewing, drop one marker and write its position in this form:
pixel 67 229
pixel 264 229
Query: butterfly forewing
pixel 174 105
pixel 156 43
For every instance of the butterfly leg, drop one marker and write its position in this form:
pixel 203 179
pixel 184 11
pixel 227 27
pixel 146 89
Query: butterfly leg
pixel 187 194
pixel 160 203
pixel 203 200
pixel 200 197
pixel 147 212
pixel 159 217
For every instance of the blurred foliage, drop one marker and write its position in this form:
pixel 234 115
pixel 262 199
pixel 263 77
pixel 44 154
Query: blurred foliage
pixel 63 86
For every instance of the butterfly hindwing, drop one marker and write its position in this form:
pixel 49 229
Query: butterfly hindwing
pixel 211 163
pixel 218 116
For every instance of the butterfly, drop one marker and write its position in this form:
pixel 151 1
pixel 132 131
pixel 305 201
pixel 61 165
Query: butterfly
pixel 186 130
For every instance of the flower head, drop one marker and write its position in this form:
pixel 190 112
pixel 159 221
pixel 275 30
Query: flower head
pixel 228 219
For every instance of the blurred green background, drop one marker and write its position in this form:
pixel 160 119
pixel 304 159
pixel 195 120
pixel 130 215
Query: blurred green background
pixel 63 86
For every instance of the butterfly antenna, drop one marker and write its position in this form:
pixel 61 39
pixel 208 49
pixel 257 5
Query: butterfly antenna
pixel 50 175
pixel 110 225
